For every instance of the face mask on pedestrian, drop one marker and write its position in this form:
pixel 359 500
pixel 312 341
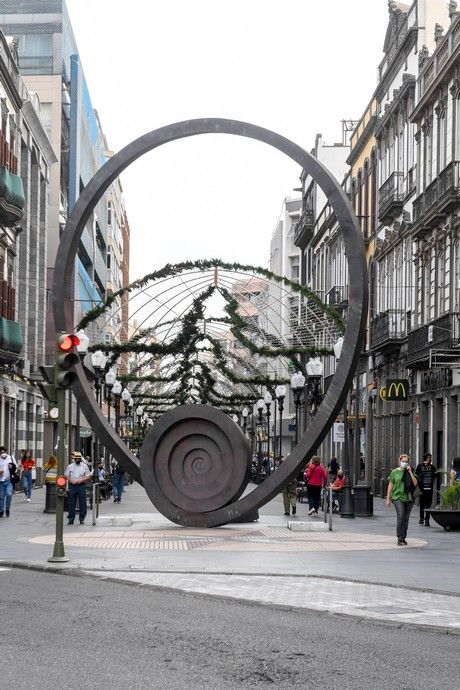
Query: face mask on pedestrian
pixel 340 475
pixel 404 464
pixel 3 455
pixel 78 460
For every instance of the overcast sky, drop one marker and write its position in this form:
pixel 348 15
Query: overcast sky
pixel 295 66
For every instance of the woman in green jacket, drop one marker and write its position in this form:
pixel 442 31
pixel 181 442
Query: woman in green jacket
pixel 401 496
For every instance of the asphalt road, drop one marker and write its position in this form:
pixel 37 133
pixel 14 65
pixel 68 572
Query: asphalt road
pixel 76 632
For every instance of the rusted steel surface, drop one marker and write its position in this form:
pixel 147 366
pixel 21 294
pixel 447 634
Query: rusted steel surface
pixel 194 459
pixel 357 309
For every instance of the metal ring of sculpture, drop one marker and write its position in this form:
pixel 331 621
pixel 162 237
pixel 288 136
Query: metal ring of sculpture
pixel 196 458
pixel 357 311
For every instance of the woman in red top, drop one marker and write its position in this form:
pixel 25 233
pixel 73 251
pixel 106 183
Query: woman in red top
pixel 316 478
pixel 27 462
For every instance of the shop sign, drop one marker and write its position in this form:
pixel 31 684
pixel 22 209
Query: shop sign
pixel 395 390
pixel 338 434
pixel 434 379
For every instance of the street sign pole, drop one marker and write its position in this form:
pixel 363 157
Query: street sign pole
pixel 58 552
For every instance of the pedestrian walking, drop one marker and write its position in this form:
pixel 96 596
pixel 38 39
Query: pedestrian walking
pixel 27 464
pixel 8 469
pixel 77 474
pixel 399 493
pixel 118 481
pixel 290 498
pixel 426 476
pixel 315 478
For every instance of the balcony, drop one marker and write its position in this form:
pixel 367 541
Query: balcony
pixel 10 330
pixel 388 330
pixel 12 199
pixel 443 333
pixel 391 197
pixel 304 228
pixel 337 296
pixel 439 197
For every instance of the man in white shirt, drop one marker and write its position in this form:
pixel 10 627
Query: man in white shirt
pixel 7 468
pixel 77 474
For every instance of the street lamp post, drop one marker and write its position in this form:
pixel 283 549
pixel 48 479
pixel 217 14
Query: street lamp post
pixel 110 379
pixel 116 391
pixel 297 386
pixel 268 401
pixel 260 408
pixel 280 393
pixel 347 508
pixel 98 360
pixel 244 414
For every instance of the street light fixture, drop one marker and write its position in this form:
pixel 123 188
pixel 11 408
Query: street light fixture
pixel 116 391
pixel 280 393
pixel 315 371
pixel 297 386
pixel 347 509
pixel 83 345
pixel 126 397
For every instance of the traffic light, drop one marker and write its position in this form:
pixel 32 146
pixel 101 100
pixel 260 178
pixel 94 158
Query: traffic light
pixel 61 486
pixel 66 358
pixel 48 386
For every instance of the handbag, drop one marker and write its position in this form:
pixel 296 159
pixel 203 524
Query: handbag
pixel 408 483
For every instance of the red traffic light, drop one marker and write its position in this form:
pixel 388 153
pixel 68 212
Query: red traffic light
pixel 61 481
pixel 67 341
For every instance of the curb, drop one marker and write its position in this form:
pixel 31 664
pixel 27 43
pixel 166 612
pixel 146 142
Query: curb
pixel 79 572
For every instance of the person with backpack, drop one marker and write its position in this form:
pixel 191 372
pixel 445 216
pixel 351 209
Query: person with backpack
pixel 425 473
pixel 400 493
pixel 118 481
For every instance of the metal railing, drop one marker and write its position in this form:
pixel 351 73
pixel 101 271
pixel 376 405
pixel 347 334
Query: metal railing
pixel 391 192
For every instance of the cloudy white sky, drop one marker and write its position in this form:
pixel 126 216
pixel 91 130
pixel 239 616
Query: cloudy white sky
pixel 295 66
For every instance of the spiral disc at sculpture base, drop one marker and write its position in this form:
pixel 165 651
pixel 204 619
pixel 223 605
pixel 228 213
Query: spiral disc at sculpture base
pixel 195 459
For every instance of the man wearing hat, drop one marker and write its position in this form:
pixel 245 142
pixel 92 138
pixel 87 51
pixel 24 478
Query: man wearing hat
pixel 77 474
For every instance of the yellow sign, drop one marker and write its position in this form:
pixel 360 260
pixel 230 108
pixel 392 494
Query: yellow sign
pixel 394 390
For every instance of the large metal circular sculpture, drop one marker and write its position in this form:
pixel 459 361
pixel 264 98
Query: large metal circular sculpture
pixel 195 458
pixel 357 311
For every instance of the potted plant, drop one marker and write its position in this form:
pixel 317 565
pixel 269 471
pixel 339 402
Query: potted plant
pixel 447 512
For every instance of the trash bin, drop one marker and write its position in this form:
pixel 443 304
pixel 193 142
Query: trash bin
pixel 50 499
pixel 364 501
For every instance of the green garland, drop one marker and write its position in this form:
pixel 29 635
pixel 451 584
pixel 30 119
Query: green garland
pixel 182 347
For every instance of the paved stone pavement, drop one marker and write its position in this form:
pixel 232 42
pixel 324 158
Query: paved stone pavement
pixel 360 551
pixel 376 602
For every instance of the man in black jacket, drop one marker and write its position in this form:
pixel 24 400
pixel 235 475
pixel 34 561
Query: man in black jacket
pixel 425 473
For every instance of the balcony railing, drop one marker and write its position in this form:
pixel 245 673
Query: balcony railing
pixel 304 228
pixel 439 193
pixel 442 53
pixel 391 195
pixel 336 296
pixel 443 333
pixel 388 328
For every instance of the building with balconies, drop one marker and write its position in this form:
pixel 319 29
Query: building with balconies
pixel 51 67
pixel 411 32
pixel 434 339
pixel 26 157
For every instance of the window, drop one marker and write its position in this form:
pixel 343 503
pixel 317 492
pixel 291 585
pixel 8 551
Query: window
pixel 109 258
pixel 442 139
pixel 109 213
pixel 456 276
pixel 428 153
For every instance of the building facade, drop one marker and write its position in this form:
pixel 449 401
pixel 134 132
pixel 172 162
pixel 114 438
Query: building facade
pixel 51 67
pixel 26 161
